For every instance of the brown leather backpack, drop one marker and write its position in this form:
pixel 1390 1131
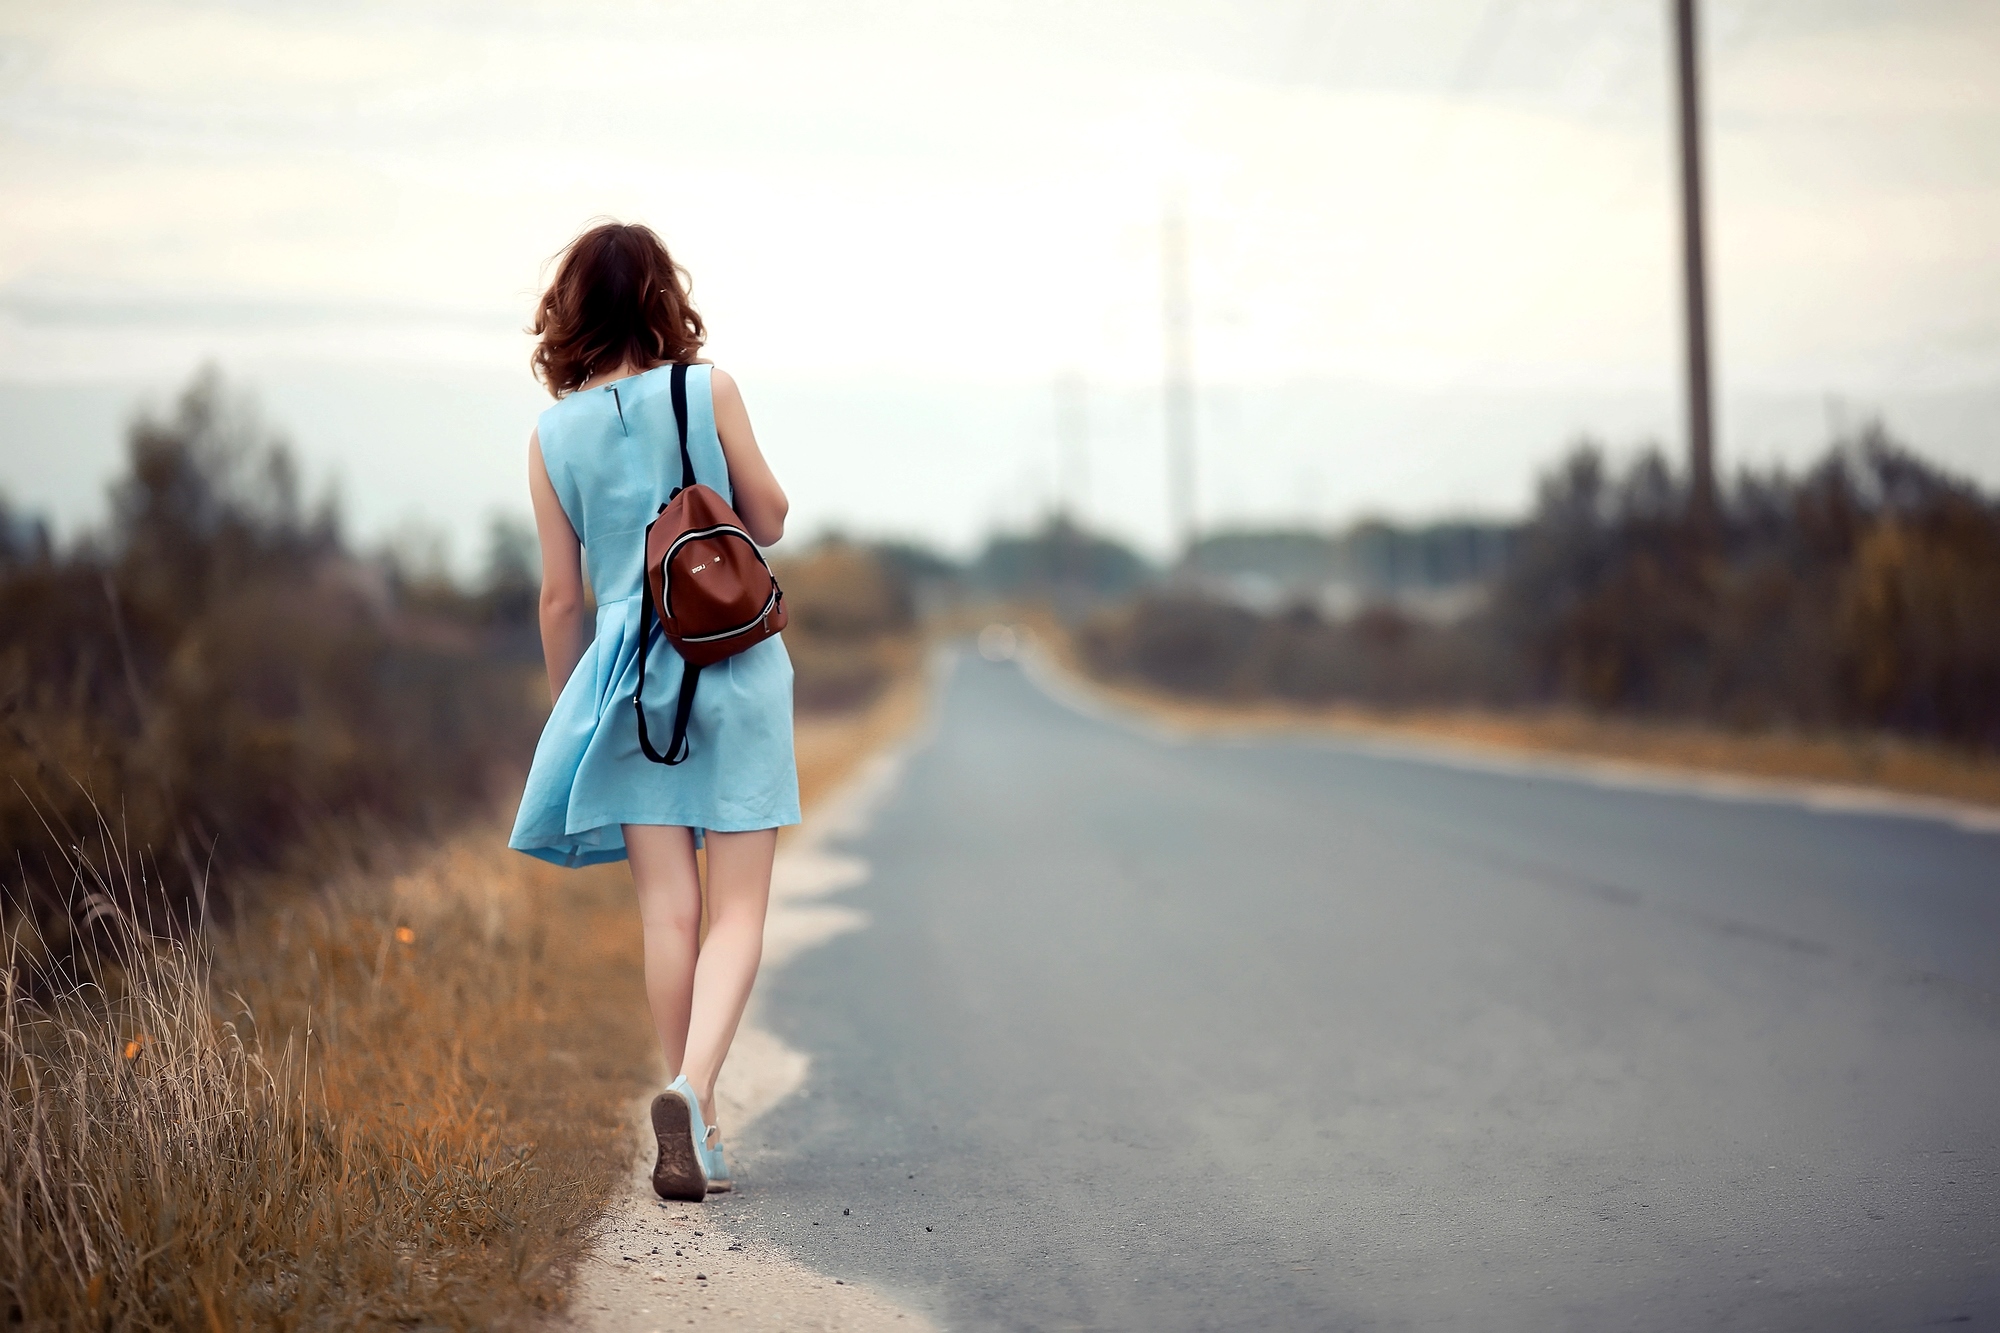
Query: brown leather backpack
pixel 705 582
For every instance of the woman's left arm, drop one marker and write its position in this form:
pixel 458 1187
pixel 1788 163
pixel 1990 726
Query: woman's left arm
pixel 759 501
pixel 565 623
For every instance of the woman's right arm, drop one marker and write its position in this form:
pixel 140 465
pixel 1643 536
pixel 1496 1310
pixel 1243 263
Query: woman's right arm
pixel 564 634
pixel 755 494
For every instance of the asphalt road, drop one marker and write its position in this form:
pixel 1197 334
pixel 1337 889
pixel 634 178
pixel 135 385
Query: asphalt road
pixel 1157 1036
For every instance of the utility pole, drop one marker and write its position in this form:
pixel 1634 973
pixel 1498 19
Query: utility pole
pixel 1179 386
pixel 1073 441
pixel 1700 419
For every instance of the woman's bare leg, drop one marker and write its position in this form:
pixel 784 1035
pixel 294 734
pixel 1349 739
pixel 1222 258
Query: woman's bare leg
pixel 739 891
pixel 663 872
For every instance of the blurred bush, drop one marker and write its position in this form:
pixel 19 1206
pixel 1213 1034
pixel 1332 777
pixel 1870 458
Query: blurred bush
pixel 1059 561
pixel 851 611
pixel 1371 556
pixel 1195 644
pixel 1861 593
pixel 855 606
pixel 215 677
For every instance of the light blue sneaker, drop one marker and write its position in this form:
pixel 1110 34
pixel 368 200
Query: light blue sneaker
pixel 718 1169
pixel 681 1171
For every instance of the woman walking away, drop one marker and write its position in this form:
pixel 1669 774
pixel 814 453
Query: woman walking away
pixel 634 412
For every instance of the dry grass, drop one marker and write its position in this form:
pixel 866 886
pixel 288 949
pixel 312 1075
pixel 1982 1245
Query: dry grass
pixel 371 1107
pixel 1855 758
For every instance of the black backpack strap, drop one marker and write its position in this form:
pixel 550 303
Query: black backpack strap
pixel 680 395
pixel 678 748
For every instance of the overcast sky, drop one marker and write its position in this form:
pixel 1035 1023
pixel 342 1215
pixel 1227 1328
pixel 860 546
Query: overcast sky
pixel 1431 241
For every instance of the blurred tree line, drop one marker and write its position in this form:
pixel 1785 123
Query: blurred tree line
pixel 214 680
pixel 1372 555
pixel 1863 592
pixel 215 683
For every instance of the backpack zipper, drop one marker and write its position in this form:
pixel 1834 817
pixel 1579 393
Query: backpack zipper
pixel 716 530
pixel 748 625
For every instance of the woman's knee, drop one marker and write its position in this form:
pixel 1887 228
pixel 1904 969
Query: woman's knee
pixel 737 900
pixel 736 916
pixel 670 908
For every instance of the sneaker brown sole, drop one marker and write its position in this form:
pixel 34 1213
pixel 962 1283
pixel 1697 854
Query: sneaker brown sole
pixel 678 1173
pixel 721 1186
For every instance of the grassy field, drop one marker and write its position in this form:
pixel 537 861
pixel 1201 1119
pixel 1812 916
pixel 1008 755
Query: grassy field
pixel 396 1099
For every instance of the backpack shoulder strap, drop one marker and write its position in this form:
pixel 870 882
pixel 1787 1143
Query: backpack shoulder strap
pixel 680 396
pixel 677 748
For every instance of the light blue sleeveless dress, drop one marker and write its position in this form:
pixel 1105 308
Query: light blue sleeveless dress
pixel 614 458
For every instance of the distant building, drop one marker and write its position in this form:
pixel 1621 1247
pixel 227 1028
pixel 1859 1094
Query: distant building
pixel 1438 571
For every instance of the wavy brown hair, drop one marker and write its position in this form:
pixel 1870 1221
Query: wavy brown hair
pixel 618 296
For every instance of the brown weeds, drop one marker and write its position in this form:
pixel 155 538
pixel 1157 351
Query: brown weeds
pixel 395 1104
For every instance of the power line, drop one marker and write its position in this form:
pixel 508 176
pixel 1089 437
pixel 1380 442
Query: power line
pixel 1073 443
